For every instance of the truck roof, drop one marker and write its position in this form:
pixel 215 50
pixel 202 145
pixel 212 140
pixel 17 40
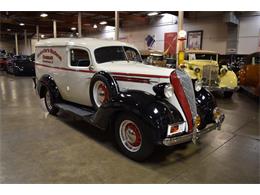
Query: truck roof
pixel 90 43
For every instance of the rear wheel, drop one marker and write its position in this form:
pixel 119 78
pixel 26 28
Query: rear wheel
pixel 133 137
pixel 49 103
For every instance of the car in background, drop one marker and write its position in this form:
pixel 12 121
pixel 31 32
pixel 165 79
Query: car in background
pixel 152 57
pixel 202 66
pixel 21 65
pixel 249 74
pixel 233 61
pixel 3 62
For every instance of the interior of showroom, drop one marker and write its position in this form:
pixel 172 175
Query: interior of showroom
pixel 220 29
pixel 194 74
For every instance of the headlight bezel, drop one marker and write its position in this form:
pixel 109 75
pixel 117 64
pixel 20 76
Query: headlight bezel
pixel 223 71
pixel 196 69
pixel 198 85
pixel 168 91
pixel 163 90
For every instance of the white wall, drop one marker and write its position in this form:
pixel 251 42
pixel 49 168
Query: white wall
pixel 214 32
pixel 136 35
pixel 249 34
pixel 8 46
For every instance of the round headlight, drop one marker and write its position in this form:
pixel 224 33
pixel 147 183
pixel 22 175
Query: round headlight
pixel 198 85
pixel 223 71
pixel 168 91
pixel 196 69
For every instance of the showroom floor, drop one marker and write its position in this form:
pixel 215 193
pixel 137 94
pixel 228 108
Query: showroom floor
pixel 38 148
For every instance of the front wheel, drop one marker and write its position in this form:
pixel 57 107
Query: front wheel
pixel 49 103
pixel 133 137
pixel 100 91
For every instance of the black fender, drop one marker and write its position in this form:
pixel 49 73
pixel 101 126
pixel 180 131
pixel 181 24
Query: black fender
pixel 156 113
pixel 206 103
pixel 47 81
pixel 112 82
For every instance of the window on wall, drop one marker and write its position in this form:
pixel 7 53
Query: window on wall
pixel 79 58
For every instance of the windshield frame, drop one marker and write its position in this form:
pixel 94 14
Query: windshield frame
pixel 210 54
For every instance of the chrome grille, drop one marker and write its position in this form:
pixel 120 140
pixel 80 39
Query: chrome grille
pixel 188 90
pixel 210 75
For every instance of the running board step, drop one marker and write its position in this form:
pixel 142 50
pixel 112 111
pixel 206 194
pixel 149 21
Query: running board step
pixel 82 112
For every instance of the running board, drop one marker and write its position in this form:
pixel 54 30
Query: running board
pixel 79 111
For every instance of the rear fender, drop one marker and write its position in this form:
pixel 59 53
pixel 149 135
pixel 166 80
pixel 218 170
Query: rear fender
pixel 47 82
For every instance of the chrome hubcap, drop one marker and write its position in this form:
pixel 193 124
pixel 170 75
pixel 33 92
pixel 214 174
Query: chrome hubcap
pixel 130 135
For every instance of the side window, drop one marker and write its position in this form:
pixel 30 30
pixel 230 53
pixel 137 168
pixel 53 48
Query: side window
pixel 79 58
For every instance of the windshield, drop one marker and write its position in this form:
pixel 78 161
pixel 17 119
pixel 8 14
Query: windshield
pixel 202 56
pixel 116 53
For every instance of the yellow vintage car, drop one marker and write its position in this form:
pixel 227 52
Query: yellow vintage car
pixel 153 57
pixel 202 67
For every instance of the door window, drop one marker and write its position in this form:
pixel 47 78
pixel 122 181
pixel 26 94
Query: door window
pixel 79 58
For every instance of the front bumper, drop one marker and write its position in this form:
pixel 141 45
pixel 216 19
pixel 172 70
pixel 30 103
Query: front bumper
pixel 195 135
pixel 221 89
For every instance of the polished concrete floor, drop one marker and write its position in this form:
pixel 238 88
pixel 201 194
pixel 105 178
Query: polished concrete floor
pixel 38 148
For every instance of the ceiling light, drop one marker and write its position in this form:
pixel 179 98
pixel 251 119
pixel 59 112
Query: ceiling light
pixel 103 22
pixel 21 24
pixel 44 15
pixel 152 13
pixel 73 28
pixel 8 29
pixel 94 26
pixel 42 36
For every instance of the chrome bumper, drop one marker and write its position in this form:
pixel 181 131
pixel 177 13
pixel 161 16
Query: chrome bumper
pixel 195 135
pixel 220 89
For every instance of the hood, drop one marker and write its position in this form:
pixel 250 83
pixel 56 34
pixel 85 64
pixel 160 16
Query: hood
pixel 135 69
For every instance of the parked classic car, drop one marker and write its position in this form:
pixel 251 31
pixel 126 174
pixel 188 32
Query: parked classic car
pixel 153 57
pixel 21 65
pixel 233 61
pixel 3 62
pixel 106 83
pixel 250 74
pixel 203 67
